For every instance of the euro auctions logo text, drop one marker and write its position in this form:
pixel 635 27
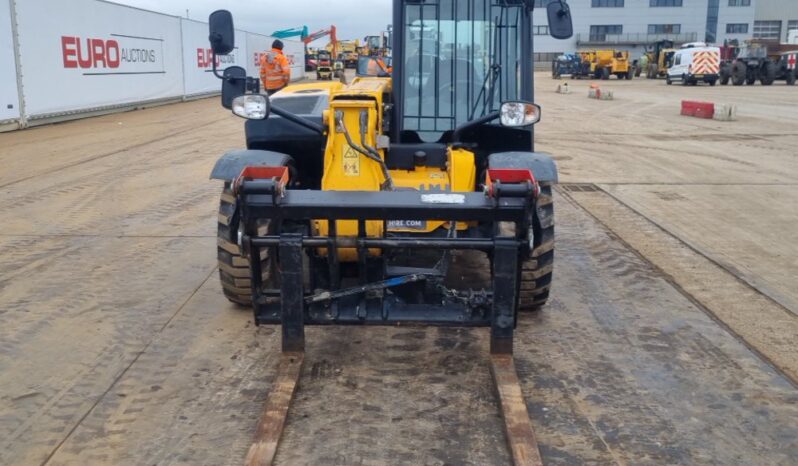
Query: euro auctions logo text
pixel 205 59
pixel 118 55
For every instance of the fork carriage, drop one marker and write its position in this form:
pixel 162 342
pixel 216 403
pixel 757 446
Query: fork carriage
pixel 382 294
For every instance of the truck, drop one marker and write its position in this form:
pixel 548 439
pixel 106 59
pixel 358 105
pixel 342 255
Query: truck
pixel 787 67
pixel 695 63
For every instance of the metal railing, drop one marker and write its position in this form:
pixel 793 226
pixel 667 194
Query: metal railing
pixel 634 38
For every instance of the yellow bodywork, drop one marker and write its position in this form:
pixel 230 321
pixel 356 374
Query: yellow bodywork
pixel 616 60
pixel 360 106
pixel 303 88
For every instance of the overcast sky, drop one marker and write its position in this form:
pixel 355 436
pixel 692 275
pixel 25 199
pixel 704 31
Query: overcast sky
pixel 354 19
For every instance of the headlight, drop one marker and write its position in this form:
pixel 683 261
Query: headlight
pixel 251 106
pixel 518 114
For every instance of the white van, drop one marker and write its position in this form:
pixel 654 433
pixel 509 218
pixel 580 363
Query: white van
pixel 694 64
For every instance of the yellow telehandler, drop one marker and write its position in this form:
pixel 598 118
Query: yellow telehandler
pixel 349 201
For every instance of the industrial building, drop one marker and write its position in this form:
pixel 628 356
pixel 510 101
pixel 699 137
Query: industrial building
pixel 632 24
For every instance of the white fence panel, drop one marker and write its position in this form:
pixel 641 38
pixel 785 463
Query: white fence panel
pixel 258 44
pixel 87 54
pixel 9 99
pixel 295 51
pixel 197 61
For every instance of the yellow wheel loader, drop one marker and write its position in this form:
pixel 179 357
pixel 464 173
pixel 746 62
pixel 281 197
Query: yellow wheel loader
pixel 660 58
pixel 350 201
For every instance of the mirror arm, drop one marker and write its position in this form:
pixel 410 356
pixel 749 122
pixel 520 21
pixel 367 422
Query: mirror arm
pixel 564 9
pixel 313 126
pixel 215 70
pixel 458 132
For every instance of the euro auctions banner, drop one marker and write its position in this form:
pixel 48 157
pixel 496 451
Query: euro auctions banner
pixel 9 99
pixel 198 61
pixel 258 45
pixel 85 54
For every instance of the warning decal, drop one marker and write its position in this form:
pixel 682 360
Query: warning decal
pixel 351 161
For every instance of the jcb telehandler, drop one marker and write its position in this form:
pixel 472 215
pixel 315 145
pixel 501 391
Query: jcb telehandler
pixel 349 200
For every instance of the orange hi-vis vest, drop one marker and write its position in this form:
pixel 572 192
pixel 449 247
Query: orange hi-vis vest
pixel 275 71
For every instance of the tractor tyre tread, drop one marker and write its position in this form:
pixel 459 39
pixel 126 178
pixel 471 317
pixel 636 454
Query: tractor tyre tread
pixel 536 270
pixel 234 273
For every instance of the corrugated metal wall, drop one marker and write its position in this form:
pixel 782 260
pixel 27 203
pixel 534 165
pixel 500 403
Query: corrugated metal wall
pixel 87 56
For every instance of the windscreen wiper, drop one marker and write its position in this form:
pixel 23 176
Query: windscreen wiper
pixel 495 70
pixel 489 83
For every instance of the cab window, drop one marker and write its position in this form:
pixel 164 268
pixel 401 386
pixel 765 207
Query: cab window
pixel 370 66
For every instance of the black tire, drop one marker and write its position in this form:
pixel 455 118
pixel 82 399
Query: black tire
pixel 233 266
pixel 605 74
pixel 790 76
pixel 738 73
pixel 537 269
pixel 685 81
pixel 712 82
pixel 724 78
pixel 668 80
pixel 767 73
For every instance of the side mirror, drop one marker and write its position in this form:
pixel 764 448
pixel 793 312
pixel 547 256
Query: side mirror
pixel 222 33
pixel 234 84
pixel 560 24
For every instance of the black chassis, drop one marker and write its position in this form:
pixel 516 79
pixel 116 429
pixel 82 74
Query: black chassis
pixel 377 298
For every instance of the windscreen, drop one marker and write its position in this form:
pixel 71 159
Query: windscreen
pixel 461 61
pixel 374 42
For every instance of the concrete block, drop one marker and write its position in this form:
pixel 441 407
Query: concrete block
pixel 725 112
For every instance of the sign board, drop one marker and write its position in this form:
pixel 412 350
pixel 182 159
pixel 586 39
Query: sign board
pixel 257 45
pixel 9 99
pixel 85 54
pixel 197 58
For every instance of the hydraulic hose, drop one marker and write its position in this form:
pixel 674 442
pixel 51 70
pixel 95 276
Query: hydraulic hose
pixel 368 152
